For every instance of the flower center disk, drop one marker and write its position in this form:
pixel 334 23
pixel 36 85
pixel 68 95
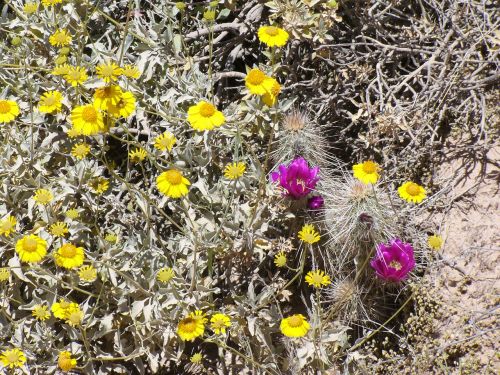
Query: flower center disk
pixel 256 77
pixel 207 110
pixel 30 244
pixel 396 265
pixel 4 107
pixel 412 189
pixel 173 176
pixel 294 321
pixel 272 30
pixel 68 251
pixel 89 114
pixel 369 167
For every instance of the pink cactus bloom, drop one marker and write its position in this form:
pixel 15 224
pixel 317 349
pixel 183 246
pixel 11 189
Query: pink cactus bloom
pixel 297 179
pixel 394 261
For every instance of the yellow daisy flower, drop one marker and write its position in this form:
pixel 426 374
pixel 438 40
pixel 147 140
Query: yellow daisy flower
pixel 40 312
pixel 60 38
pixel 412 192
pixel 65 361
pixel 4 274
pixel 317 278
pixel 258 82
pixel 76 75
pixel 60 309
pixel 87 274
pixel 30 8
pixel 308 234
pixel 61 70
pixel 108 72
pixel 165 141
pixel 73 133
pixel 131 71
pixel 43 196
pixel 8 225
pixel 219 322
pixel 49 3
pixel 125 107
pixel 69 256
pixel 104 96
pixel 74 315
pixel 234 171
pixel 435 242
pixel 272 36
pixel 192 326
pixel 172 183
pixel 196 358
pixel 80 150
pixel 294 326
pixel 280 259
pixel 87 120
pixel 271 97
pixel 72 214
pixel 138 155
pixel 366 172
pixel 31 248
pixel 204 116
pixel 13 358
pixel 99 185
pixel 59 229
pixel 165 275
pixel 50 102
pixel 9 110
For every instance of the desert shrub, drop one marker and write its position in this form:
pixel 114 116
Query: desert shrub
pixel 228 186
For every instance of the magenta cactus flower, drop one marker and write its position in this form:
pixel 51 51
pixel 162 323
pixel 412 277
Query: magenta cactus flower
pixel 315 203
pixel 297 179
pixel 393 261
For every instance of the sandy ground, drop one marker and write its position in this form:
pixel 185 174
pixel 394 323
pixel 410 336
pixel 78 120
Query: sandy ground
pixel 467 281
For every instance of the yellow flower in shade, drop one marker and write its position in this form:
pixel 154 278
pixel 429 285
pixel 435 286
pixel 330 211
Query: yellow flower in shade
pixel 8 225
pixel 165 275
pixel 61 70
pixel 108 72
pixel 50 102
pixel 69 256
pixel 294 326
pixel 258 82
pixel 4 274
pixel 280 259
pixel 192 326
pixel 60 38
pixel 87 120
pixel 13 358
pixel 271 97
pixel 104 96
pixel 317 279
pixel 80 150
pixel 366 172
pixel 196 358
pixel 40 312
pixel 204 116
pixel 43 196
pixel 73 133
pixel 72 214
pixel 9 110
pixel 59 229
pixel 99 185
pixel 272 36
pixel 111 238
pixel 412 192
pixel 234 171
pixel 49 3
pixel 76 75
pixel 308 234
pixel 172 183
pixel 138 155
pixel 30 8
pixel 65 361
pixel 31 248
pixel 125 107
pixel 87 274
pixel 60 309
pixel 131 71
pixel 165 141
pixel 435 242
pixel 74 315
pixel 219 322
